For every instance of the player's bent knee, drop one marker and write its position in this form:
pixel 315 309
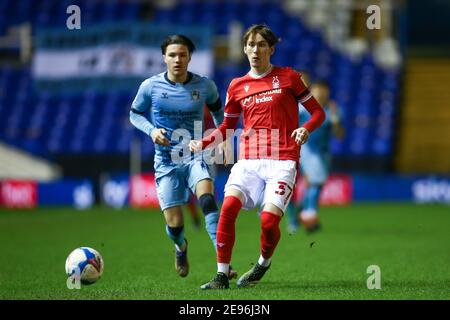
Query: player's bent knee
pixel 235 193
pixel 269 221
pixel 208 203
pixel 204 186
pixel 174 216
pixel 273 209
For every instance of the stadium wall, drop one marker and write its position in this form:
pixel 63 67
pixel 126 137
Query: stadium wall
pixel 121 190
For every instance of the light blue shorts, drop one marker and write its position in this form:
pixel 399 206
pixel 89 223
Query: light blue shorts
pixel 174 181
pixel 315 165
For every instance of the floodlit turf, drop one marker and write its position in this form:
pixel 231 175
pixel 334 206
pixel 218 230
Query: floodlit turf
pixel 410 244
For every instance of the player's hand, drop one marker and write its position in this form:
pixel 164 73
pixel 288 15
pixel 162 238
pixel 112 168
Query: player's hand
pixel 195 146
pixel 301 135
pixel 158 137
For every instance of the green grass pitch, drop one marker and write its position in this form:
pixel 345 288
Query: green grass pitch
pixel 410 244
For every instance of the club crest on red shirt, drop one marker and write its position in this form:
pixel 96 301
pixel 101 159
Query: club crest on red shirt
pixel 275 82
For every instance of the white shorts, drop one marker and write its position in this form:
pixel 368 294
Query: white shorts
pixel 263 181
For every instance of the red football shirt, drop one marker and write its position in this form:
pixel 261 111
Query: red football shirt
pixel 269 104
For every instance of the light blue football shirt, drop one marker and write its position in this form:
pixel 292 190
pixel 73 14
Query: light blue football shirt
pixel 161 103
pixel 319 139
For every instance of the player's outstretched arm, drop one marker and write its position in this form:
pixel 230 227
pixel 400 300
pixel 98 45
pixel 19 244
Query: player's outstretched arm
pixel 300 135
pixel 158 137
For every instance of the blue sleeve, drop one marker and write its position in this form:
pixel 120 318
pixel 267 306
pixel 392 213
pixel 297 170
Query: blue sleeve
pixel 217 117
pixel 214 103
pixel 212 92
pixel 338 116
pixel 141 104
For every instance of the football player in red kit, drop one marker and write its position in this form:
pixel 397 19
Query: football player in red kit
pixel 265 173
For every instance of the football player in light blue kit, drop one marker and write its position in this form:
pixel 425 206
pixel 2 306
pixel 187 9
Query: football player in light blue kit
pixel 166 105
pixel 315 158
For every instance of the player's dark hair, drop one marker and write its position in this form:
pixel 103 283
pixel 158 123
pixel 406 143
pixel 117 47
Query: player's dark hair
pixel 177 39
pixel 264 31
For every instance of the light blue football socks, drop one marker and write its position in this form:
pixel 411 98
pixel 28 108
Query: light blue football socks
pixel 176 234
pixel 312 194
pixel 211 221
pixel 211 212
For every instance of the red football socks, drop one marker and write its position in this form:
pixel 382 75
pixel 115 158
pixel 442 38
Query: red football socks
pixel 226 228
pixel 270 233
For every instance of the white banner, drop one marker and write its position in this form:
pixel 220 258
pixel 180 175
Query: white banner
pixel 117 56
pixel 111 61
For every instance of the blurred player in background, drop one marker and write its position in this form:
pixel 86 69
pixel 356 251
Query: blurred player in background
pixel 292 209
pixel 268 97
pixel 174 100
pixel 315 159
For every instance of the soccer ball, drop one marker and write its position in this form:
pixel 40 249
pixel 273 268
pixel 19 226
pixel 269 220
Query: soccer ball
pixel 85 264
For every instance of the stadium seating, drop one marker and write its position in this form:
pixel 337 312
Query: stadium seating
pixel 66 123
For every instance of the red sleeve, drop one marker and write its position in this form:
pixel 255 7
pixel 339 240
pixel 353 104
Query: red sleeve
pixel 304 96
pixel 231 117
pixel 317 114
pixel 297 83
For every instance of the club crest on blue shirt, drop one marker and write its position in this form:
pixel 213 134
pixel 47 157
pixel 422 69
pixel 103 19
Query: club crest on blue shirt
pixel 195 95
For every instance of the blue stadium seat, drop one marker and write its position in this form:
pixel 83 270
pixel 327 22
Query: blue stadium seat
pixel 164 16
pixel 66 123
